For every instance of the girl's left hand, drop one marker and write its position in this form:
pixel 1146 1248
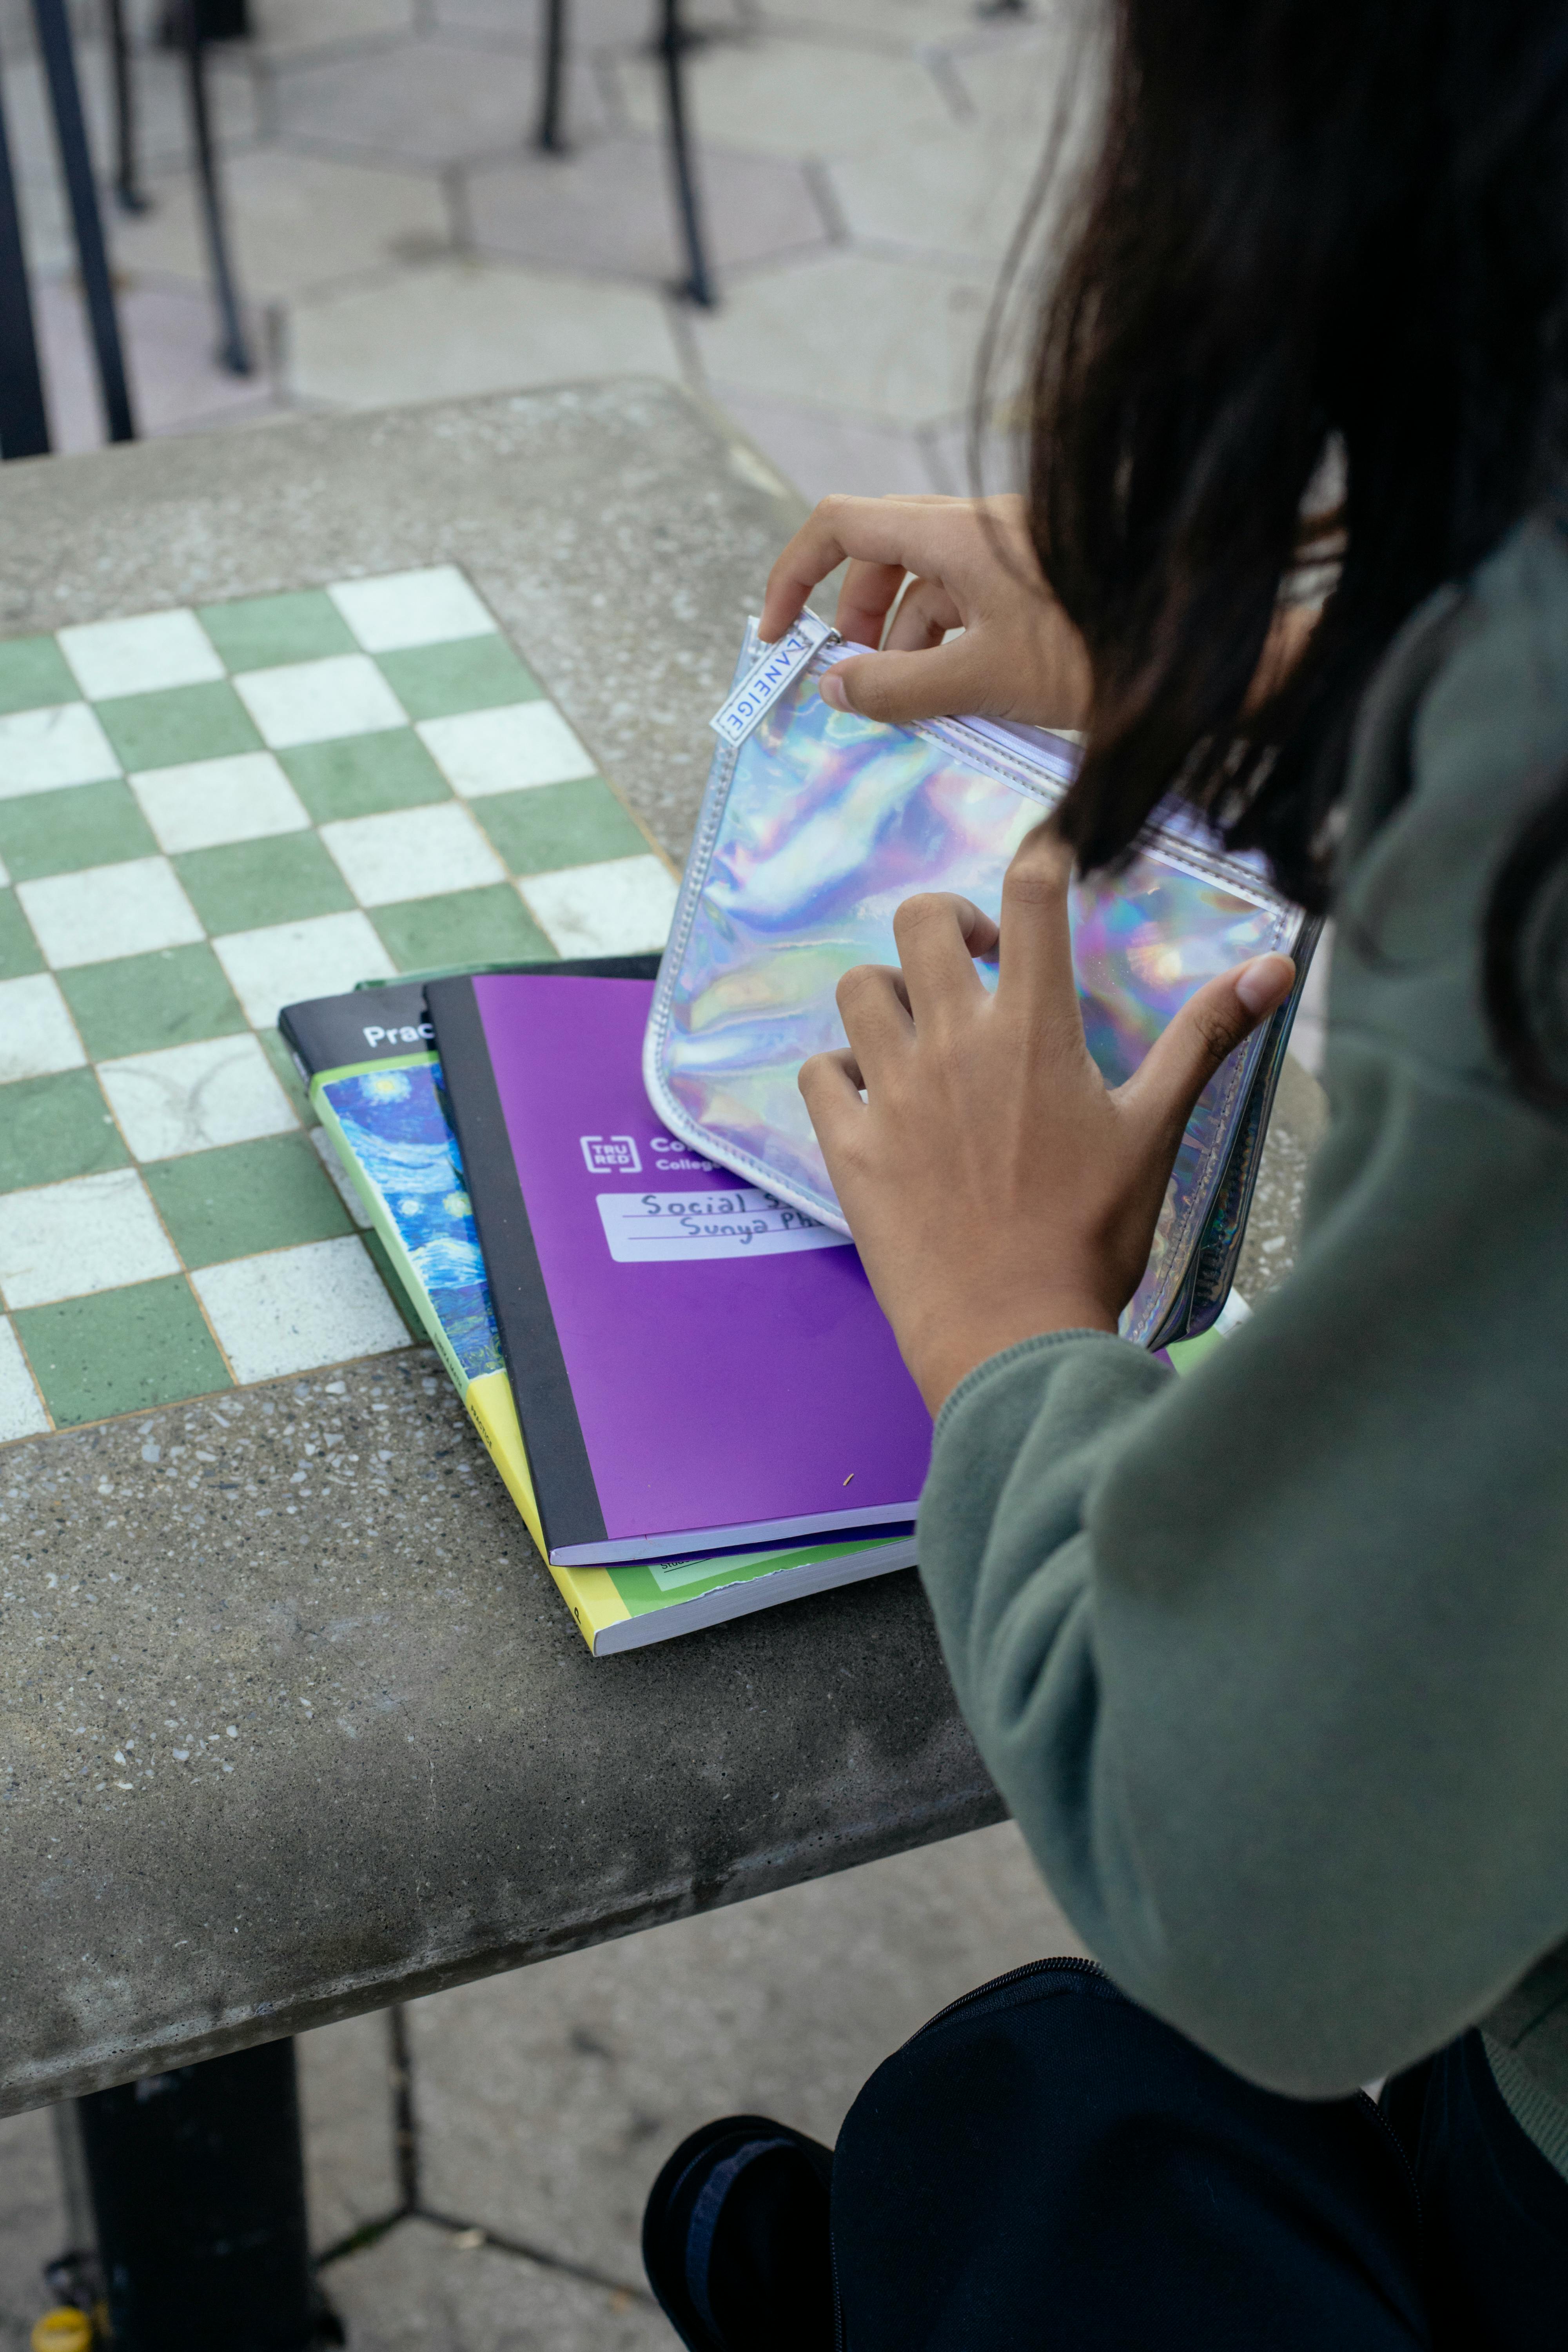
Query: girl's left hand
pixel 996 1187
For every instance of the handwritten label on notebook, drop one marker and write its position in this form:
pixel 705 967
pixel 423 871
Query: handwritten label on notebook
pixel 674 1228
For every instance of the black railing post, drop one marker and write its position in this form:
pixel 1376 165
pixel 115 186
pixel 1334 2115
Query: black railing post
pixel 23 422
pixel 698 284
pixel 76 162
pixel 551 137
pixel 233 349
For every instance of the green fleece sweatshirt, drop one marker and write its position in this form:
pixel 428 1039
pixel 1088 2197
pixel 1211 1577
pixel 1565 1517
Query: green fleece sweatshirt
pixel 1271 1661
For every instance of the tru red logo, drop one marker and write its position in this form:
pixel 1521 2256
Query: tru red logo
pixel 610 1155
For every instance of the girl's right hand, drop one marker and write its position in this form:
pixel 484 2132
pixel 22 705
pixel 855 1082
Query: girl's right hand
pixel 975 569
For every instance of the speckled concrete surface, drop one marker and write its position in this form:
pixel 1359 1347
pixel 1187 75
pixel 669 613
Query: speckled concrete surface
pixel 293 1720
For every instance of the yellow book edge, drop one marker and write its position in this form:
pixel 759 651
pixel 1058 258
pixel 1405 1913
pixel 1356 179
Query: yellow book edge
pixel 589 1593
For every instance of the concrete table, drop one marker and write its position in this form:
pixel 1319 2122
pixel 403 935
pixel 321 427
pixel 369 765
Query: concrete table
pixel 400 1767
pixel 427 1777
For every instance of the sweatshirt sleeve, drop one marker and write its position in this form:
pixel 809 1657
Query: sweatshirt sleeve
pixel 1270 1662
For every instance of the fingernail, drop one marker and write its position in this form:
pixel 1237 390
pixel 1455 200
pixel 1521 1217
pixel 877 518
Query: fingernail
pixel 832 691
pixel 1264 982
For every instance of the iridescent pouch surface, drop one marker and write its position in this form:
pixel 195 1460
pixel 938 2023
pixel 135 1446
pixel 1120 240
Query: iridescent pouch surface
pixel 817 824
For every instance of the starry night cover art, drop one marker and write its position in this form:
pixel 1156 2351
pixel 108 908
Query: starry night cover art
pixel 395 1124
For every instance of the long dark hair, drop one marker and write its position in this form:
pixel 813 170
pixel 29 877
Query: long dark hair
pixel 1310 229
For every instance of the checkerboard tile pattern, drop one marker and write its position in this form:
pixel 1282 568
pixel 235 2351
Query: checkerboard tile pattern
pixel 206 815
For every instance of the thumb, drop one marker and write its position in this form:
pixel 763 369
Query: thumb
pixel 1209 1027
pixel 938 682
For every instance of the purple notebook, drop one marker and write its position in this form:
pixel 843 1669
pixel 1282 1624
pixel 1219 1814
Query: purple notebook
pixel 695 1365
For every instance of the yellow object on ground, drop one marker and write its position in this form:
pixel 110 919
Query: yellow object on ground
pixel 64 2329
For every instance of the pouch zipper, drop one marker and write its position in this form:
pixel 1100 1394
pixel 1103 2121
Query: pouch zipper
pixel 1019 1976
pixel 964 2000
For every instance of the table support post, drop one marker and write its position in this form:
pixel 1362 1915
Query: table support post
pixel 197 2181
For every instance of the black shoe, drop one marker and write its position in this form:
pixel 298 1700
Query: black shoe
pixel 735 2238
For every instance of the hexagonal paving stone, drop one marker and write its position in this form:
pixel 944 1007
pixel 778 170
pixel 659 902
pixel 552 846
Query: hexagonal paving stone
pixel 959 191
pixel 467 327
pixel 426 102
pixel 177 382
pixel 883 339
pixel 593 24
pixel 284 28
pixel 609 207
pixel 296 221
pixel 1015 83
pixel 793 97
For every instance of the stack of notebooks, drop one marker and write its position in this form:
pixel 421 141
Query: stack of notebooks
pixel 689 1390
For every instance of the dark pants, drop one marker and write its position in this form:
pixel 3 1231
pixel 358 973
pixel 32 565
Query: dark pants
pixel 1047 2166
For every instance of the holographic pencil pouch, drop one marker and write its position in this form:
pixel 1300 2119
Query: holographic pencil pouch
pixel 816 825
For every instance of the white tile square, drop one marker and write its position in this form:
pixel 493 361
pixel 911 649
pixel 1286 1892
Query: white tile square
pixel 348 1191
pixel 294 1309
pixel 414 852
pixel 22 1411
pixel 194 1098
pixel 94 1233
pixel 284 963
pixel 109 911
pixel 40 751
pixel 318 701
pixel 621 908
pixel 36 1032
pixel 412 608
pixel 242 798
pixel 140 656
pixel 481 752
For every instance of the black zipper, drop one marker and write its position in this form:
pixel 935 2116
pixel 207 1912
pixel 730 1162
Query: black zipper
pixel 964 2000
pixel 1386 2128
pixel 999 1984
pixel 1078 1968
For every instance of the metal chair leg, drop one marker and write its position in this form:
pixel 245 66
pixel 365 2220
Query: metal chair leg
pixel 550 135
pixel 127 195
pixel 233 349
pixel 699 287
pixel 23 422
pixel 70 131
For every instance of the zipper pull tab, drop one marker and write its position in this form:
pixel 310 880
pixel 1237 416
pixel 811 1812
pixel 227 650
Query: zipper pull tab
pixel 761 688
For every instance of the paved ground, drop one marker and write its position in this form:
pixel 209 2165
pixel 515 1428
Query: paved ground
pixel 545 2100
pixel 863 162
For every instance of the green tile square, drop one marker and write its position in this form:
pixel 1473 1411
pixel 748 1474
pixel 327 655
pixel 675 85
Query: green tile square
pixel 489 926
pixel 18 948
pixel 246 1197
pixel 177 724
pixel 120 1350
pixel 35 674
pixel 549 826
pixel 249 883
pixel 259 632
pixel 363 774
pixel 59 833
pixel 394 1290
pixel 54 1128
pixel 136 1003
pixel 286 1070
pixel 473 674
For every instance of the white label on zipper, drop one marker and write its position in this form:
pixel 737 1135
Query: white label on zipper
pixel 761 688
